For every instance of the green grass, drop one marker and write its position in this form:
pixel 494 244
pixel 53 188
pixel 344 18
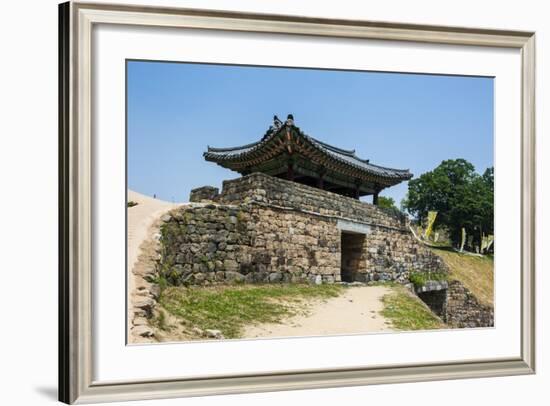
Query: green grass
pixel 389 284
pixel 419 279
pixel 160 320
pixel 407 312
pixel 230 308
pixel 475 272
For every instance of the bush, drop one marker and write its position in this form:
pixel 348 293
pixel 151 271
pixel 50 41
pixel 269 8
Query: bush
pixel 419 279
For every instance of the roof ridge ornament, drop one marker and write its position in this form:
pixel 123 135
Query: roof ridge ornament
pixel 277 123
pixel 290 120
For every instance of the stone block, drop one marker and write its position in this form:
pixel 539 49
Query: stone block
pixel 204 193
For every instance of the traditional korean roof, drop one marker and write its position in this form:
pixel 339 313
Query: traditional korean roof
pixel 286 139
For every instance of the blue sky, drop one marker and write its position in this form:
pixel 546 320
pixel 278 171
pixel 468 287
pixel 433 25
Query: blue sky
pixel 175 110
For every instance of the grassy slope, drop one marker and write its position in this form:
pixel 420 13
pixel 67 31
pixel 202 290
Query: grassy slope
pixel 230 308
pixel 407 312
pixel 476 273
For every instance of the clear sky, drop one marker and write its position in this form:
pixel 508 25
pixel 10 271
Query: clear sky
pixel 175 110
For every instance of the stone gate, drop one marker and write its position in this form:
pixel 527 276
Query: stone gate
pixel 265 229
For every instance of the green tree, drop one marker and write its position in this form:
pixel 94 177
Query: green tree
pixel 386 202
pixel 461 197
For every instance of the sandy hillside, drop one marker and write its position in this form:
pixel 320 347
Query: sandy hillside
pixel 355 311
pixel 143 221
pixel 140 218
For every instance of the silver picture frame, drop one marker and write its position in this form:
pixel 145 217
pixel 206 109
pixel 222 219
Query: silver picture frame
pixel 76 21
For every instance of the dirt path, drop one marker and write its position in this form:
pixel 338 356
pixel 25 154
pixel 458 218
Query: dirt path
pixel 355 311
pixel 142 225
pixel 140 218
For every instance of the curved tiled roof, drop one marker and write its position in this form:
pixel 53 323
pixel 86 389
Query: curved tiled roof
pixel 345 157
pixel 350 158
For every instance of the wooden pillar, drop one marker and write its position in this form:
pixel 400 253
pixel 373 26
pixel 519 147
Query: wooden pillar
pixel 357 189
pixel 321 171
pixel 290 171
pixel 375 198
pixel 321 179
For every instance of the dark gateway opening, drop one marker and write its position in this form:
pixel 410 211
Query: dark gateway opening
pixel 436 301
pixel 352 258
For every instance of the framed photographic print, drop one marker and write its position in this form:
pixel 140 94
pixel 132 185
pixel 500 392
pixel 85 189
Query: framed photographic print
pixel 262 202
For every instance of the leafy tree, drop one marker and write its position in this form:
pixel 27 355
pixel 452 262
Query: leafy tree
pixel 461 197
pixel 386 202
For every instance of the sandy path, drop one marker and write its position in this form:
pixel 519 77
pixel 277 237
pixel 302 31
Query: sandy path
pixel 140 221
pixel 140 218
pixel 355 311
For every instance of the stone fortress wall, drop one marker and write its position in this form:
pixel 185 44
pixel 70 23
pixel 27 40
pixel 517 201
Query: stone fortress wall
pixel 265 229
pixel 464 310
pixel 262 229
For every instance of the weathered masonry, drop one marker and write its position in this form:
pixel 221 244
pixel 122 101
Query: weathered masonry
pixel 455 304
pixel 265 229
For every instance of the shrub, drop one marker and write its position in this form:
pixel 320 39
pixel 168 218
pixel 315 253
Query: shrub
pixel 419 279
